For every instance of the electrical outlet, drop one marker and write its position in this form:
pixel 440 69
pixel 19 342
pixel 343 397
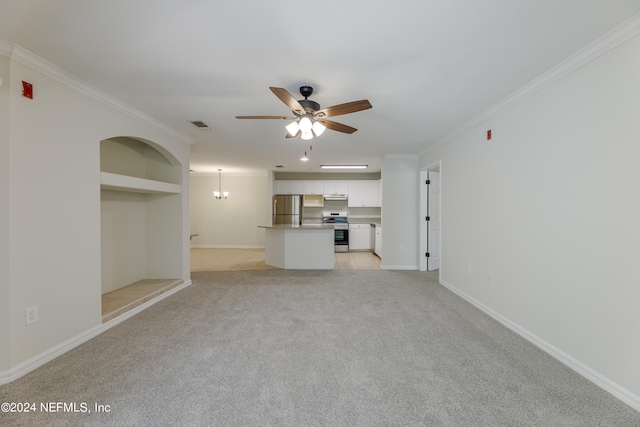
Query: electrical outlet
pixel 31 314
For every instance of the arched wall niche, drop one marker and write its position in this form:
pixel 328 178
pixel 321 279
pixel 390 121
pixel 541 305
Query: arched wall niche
pixel 141 158
pixel 141 216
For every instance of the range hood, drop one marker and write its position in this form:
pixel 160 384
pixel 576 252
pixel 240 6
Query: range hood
pixel 335 197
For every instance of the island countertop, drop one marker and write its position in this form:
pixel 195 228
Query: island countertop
pixel 307 246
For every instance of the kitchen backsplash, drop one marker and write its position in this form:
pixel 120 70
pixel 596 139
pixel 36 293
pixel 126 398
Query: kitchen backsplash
pixel 355 215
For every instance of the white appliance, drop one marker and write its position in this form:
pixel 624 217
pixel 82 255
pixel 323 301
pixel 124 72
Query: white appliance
pixel 341 226
pixel 360 237
pixel 377 240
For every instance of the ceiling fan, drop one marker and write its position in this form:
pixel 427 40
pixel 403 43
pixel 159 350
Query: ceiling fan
pixel 309 118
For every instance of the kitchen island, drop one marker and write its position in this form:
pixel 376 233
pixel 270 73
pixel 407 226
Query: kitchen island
pixel 297 247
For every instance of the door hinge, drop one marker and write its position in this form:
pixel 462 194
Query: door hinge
pixel 427 254
pixel 427 218
pixel 428 182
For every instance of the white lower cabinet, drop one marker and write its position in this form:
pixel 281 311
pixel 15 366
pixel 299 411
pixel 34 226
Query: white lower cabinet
pixel 360 237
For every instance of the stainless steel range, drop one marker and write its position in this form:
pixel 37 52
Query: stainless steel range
pixel 341 226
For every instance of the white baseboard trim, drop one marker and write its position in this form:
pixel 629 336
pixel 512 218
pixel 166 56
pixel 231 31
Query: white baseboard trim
pixel 595 377
pixel 398 267
pixel 47 356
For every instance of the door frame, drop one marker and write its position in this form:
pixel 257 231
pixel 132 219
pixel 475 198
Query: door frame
pixel 422 229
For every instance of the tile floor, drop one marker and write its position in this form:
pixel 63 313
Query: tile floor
pixel 124 299
pixel 206 259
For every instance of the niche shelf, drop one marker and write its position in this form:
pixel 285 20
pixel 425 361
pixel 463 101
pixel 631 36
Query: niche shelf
pixel 141 223
pixel 112 181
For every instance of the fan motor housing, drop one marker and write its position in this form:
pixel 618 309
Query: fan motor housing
pixel 309 105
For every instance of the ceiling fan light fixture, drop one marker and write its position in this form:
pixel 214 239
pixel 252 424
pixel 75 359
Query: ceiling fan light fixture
pixel 305 124
pixel 292 128
pixel 309 117
pixel 318 128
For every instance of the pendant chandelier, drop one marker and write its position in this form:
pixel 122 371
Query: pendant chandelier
pixel 220 194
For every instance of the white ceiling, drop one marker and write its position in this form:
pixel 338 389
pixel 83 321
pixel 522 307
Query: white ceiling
pixel 427 67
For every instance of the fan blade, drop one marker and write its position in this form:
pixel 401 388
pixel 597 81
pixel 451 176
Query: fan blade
pixel 338 126
pixel 349 107
pixel 288 100
pixel 288 135
pixel 266 117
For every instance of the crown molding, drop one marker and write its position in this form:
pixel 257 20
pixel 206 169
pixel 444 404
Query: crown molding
pixel 610 40
pixel 33 61
pixel 400 156
pixel 258 173
pixel 6 48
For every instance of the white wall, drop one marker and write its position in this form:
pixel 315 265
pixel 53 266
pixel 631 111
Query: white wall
pixel 164 258
pixel 54 205
pixel 123 239
pixel 550 208
pixel 400 209
pixel 5 264
pixel 232 222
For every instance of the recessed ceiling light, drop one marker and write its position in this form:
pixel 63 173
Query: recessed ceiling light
pixel 200 124
pixel 344 166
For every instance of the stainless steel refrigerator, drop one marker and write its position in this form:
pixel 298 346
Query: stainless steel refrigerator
pixel 287 209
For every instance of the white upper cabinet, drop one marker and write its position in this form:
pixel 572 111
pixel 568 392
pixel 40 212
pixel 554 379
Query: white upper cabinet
pixel 313 187
pixel 361 193
pixel 336 187
pixel 364 194
pixel 372 193
pixel 289 187
pixel 283 187
pixel 297 187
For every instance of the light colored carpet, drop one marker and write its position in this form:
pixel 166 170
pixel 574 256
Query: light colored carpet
pixel 314 348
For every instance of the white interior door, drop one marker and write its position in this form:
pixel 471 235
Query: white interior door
pixel 433 224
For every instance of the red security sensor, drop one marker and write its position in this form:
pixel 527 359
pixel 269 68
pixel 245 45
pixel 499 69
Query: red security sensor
pixel 489 135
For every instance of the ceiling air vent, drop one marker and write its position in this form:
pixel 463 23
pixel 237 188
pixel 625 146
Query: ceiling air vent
pixel 200 124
